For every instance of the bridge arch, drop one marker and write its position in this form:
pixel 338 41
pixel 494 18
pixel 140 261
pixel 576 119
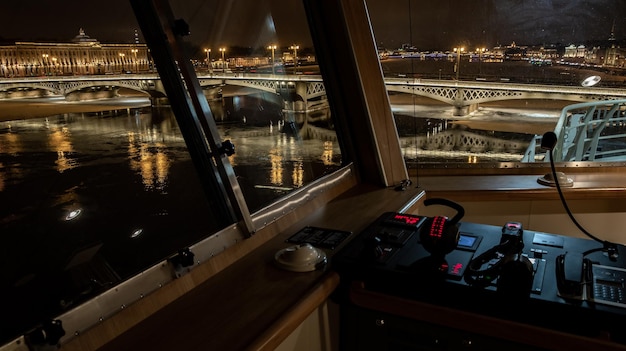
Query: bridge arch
pixel 149 87
pixel 445 95
pixel 465 96
pixel 300 94
pixel 52 87
pixel 152 88
pixel 307 90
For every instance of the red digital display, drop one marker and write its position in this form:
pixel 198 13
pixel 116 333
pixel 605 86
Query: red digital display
pixel 405 219
pixel 457 269
pixel 436 228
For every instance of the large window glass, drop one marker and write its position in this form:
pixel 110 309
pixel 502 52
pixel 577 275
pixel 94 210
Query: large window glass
pixel 257 66
pixel 481 81
pixel 96 181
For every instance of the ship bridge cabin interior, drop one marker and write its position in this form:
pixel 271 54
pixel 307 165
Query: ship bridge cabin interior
pixel 412 198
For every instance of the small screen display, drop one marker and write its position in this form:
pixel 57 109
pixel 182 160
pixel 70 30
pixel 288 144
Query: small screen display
pixel 466 241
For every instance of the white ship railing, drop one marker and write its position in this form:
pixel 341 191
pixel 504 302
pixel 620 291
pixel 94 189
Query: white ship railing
pixel 591 131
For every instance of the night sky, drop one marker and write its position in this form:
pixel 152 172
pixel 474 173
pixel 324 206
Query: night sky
pixel 440 24
pixel 444 24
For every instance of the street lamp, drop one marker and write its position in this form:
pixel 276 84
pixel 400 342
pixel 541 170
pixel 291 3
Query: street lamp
pixel 272 47
pixel 480 51
pixel 223 50
pixel 457 67
pixel 295 57
pixel 122 60
pixel 208 59
pixel 134 51
pixel 45 63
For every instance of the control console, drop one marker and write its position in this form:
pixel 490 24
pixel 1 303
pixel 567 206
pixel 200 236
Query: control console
pixel 417 246
pixel 502 271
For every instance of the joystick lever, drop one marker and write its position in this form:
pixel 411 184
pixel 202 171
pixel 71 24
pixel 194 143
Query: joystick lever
pixel 374 249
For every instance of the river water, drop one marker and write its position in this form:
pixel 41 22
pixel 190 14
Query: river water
pixel 90 199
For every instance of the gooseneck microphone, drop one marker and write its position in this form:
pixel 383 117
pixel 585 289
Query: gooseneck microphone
pixel 548 142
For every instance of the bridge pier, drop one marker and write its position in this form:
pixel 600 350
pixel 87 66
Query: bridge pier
pixel 159 101
pixel 94 94
pixel 464 110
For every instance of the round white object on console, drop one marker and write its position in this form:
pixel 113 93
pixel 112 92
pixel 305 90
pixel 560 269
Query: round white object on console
pixel 300 258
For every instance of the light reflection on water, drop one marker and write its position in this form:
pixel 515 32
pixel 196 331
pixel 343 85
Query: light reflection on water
pixel 485 135
pixel 150 160
pixel 126 184
pixel 60 140
pixel 151 145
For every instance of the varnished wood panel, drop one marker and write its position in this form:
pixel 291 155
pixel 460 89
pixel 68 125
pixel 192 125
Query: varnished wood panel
pixel 240 299
pixel 482 325
pixel 523 187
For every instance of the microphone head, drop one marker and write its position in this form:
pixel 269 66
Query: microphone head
pixel 548 141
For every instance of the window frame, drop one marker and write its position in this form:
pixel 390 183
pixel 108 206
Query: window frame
pixel 366 131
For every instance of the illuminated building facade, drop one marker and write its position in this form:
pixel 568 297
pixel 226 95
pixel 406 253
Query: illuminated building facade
pixel 615 56
pixel 82 56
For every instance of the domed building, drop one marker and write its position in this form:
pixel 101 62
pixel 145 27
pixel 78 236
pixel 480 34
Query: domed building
pixel 82 56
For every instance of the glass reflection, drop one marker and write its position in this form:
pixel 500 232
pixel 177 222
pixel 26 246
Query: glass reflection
pixel 271 159
pixel 478 63
pixel 73 214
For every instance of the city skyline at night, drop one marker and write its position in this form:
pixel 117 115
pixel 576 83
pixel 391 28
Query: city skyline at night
pixel 427 26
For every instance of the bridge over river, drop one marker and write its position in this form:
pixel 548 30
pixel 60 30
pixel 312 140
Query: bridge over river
pixel 304 93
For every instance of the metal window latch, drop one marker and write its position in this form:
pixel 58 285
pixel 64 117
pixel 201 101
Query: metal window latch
pixel 227 148
pixel 47 336
pixel 182 262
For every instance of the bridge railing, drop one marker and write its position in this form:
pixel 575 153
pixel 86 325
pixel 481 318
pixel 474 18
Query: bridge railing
pixel 592 131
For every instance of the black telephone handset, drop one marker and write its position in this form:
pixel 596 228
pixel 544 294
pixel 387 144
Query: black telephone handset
pixel 570 274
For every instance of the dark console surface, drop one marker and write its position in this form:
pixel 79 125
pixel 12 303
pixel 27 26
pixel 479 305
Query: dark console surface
pixel 545 280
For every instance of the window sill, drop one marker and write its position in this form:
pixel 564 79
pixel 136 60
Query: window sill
pixel 251 304
pixel 522 187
